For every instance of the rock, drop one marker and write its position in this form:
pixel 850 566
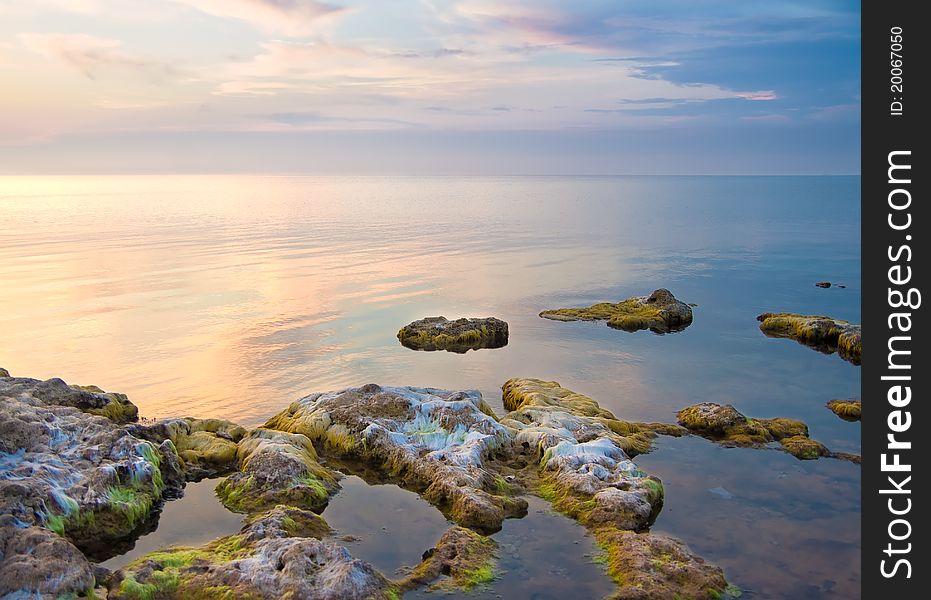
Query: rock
pixel 660 312
pixel 207 447
pixel 461 559
pixel 804 448
pixel 647 566
pixel 4 372
pixel 727 426
pixel 277 468
pixel 580 450
pixel 433 441
pixel 278 554
pixel 35 562
pixel 848 410
pixel 824 334
pixel 77 474
pixel 541 407
pixel 823 284
pixel 89 398
pixel 461 335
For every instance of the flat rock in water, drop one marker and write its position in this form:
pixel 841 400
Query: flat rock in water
pixel 823 334
pixel 724 424
pixel 460 336
pixel 659 312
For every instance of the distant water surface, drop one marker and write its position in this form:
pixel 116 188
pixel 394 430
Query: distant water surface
pixel 229 296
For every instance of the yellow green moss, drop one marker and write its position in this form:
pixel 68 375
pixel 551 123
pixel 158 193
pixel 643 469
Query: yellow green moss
pixel 659 311
pixel 849 410
pixel 804 448
pixel 439 333
pixel 464 557
pixel 119 409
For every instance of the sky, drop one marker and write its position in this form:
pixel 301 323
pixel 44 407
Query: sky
pixel 430 86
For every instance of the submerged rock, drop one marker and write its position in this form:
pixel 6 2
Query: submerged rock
pixel 433 441
pixel 461 559
pixel 278 554
pixel 660 312
pixel 277 468
pixel 461 335
pixel 77 474
pixel 207 447
pixel 824 334
pixel 848 410
pixel 584 469
pixel 35 562
pixel 727 426
pixel 647 566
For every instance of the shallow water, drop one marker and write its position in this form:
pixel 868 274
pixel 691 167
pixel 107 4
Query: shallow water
pixel 233 296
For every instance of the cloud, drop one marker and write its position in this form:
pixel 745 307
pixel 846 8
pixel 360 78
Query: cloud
pixel 93 55
pixel 292 18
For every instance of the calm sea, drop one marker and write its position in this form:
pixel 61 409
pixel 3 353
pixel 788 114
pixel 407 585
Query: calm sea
pixel 229 296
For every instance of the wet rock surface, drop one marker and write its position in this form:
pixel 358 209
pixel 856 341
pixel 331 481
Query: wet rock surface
pixel 656 567
pixel 277 468
pixel 35 562
pixel 434 441
pixel 848 410
pixel 727 426
pixel 659 312
pixel 206 447
pixel 580 450
pixel 460 335
pixel 823 334
pixel 461 559
pixel 75 473
pixel 58 465
pixel 278 554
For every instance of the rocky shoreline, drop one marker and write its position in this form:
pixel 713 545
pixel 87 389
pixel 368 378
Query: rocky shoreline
pixel 77 472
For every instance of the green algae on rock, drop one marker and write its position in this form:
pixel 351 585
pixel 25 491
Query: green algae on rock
pixel 548 405
pixel 207 447
pixel 77 474
pixel 460 336
pixel 277 554
pixel 823 334
pixel 657 567
pixel 727 426
pixel 578 463
pixel 584 470
pixel 277 467
pixel 435 442
pixel 848 410
pixel 461 559
pixel 660 312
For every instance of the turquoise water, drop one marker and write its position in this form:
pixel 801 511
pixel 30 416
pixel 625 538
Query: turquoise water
pixel 233 296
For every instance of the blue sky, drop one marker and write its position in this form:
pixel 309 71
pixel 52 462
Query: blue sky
pixel 429 86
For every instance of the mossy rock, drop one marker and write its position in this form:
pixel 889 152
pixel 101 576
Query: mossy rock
pixel 848 410
pixel 277 554
pixel 462 559
pixel 277 468
pixel 804 448
pixel 824 334
pixel 459 336
pixel 727 426
pixel 118 408
pixel 660 312
pixel 655 567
